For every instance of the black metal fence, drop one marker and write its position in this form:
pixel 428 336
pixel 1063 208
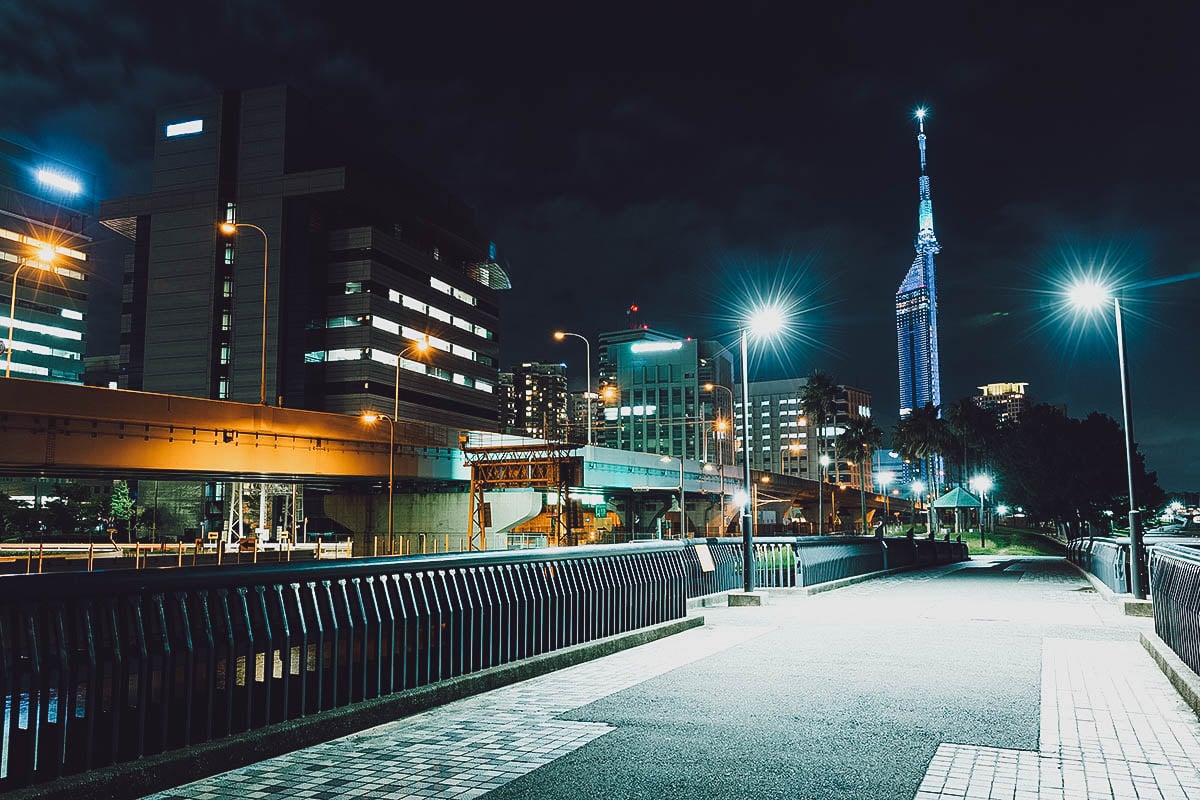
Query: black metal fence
pixel 783 561
pixel 107 667
pixel 1175 585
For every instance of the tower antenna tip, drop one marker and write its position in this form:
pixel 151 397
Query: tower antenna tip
pixel 921 113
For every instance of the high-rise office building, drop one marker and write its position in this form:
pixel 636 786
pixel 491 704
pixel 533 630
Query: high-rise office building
pixel 916 306
pixel 46 208
pixel 784 440
pixel 1007 400
pixel 539 402
pixel 652 390
pixel 354 258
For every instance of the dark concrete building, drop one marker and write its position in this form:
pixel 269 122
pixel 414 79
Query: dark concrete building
pixel 363 259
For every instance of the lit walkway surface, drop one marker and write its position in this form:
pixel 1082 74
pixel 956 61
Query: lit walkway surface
pixel 1005 678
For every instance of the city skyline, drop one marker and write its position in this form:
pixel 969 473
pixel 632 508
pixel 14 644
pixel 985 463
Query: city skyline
pixel 642 178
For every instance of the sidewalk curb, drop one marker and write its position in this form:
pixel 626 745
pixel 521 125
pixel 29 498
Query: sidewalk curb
pixel 1127 603
pixel 1186 682
pixel 173 769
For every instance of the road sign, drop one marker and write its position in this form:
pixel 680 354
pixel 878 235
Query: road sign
pixel 601 510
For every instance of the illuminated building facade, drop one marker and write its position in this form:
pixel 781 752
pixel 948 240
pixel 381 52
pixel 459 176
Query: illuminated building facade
pixel 652 391
pixel 539 401
pixel 916 307
pixel 783 441
pixel 364 258
pixel 44 203
pixel 1007 400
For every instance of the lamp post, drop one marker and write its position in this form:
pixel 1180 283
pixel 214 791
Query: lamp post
pixel 1088 296
pixel 44 257
pixel 763 323
pixel 421 345
pixel 982 484
pixel 587 394
pixel 918 490
pixel 229 229
pixel 824 462
pixel 885 479
pixel 371 418
pixel 682 507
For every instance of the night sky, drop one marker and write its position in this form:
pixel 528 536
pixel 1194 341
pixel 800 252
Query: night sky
pixel 692 159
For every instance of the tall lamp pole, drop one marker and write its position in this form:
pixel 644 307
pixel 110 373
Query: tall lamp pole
pixel 230 228
pixel 1091 295
pixel 587 394
pixel 371 418
pixel 45 256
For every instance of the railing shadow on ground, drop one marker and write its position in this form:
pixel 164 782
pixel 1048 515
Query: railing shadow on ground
pixel 109 667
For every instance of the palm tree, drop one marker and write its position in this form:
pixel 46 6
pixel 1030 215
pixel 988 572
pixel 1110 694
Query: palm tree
pixel 923 436
pixel 860 438
pixel 973 430
pixel 817 399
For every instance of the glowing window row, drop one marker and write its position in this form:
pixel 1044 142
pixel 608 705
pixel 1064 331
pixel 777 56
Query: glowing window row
pixel 36 244
pixel 413 334
pixel 420 367
pixel 446 288
pixel 422 307
pixel 46 330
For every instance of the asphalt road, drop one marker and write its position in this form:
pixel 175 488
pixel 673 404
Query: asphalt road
pixel 843 695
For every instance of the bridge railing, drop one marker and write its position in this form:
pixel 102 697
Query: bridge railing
pixel 107 667
pixel 783 561
pixel 1175 586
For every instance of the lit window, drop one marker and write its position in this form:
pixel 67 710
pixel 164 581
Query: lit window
pixel 385 324
pixel 437 313
pixel 354 287
pixel 393 295
pixel 344 354
pixel 459 322
pixel 466 298
pixel 414 304
pixel 69 314
pixel 437 254
pixel 57 180
pixel 226 320
pixel 224 354
pixel 185 128
pixel 229 252
pixel 223 389
pixel 465 352
pixel 231 213
pixel 227 287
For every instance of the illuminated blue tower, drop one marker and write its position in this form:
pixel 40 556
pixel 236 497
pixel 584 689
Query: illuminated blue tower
pixel 916 307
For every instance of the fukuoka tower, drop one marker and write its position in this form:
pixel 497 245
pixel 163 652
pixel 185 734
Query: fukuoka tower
pixel 916 307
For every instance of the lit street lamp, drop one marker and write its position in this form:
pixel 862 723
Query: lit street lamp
pixel 1089 296
pixel 763 323
pixel 371 418
pixel 682 507
pixel 885 479
pixel 824 462
pixel 229 229
pixel 587 393
pixel 981 484
pixel 918 489
pixel 44 257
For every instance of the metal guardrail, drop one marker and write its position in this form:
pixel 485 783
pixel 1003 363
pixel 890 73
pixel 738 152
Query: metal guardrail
pixel 106 667
pixel 1175 586
pixel 783 561
pixel 1107 559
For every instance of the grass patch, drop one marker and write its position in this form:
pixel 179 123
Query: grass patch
pixel 1012 542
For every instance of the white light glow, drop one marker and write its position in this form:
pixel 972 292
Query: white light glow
pixel 57 180
pixel 654 347
pixel 1088 294
pixel 185 128
pixel 921 112
pixel 766 321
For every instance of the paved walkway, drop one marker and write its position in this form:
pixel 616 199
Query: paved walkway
pixel 1001 678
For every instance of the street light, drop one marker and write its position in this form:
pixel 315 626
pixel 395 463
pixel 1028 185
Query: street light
pixel 763 323
pixel 885 479
pixel 824 462
pixel 918 489
pixel 1090 296
pixel 229 229
pixel 682 507
pixel 587 394
pixel 371 418
pixel 44 257
pixel 421 346
pixel 982 484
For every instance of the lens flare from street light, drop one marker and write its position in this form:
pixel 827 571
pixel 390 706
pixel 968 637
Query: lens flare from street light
pixel 918 487
pixel 46 254
pixel 559 336
pixel 740 497
pixel 886 477
pixel 766 321
pixel 370 417
pixel 982 483
pixel 1088 294
pixel 228 228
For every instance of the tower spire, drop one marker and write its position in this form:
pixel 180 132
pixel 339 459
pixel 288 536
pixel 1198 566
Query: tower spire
pixel 926 240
